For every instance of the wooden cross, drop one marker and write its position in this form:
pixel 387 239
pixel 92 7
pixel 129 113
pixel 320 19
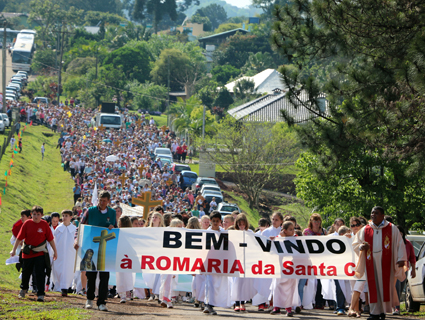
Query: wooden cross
pixel 163 128
pixel 169 182
pixel 97 144
pixel 117 143
pixel 144 200
pixel 123 178
pixel 141 170
pixel 139 122
pixel 101 255
pixel 101 128
pixel 65 108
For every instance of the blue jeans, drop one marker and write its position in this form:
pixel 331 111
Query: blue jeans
pixel 301 285
pixel 340 298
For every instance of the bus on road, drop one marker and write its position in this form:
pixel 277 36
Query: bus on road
pixel 22 52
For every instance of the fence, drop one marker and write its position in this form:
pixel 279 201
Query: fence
pixel 7 140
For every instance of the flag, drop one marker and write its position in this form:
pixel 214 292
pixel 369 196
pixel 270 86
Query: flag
pixel 15 151
pixel 10 172
pixel 31 123
pixel 6 184
pixel 94 199
pixel 0 200
pixel 5 173
pixel 4 191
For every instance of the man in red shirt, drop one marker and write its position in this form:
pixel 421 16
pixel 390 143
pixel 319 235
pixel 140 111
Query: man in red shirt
pixel 34 232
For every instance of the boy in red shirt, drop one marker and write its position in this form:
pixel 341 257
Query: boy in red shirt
pixel 34 232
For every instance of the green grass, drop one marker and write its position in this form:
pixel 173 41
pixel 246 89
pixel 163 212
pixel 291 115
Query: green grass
pixel 253 215
pixel 13 308
pixel 297 210
pixel 32 182
pixel 160 120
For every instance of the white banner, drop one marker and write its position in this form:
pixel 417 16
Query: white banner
pixel 233 253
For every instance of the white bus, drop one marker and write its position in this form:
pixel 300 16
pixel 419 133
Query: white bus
pixel 22 52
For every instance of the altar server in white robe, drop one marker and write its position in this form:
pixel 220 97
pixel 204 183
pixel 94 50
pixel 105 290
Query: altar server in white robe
pixel 242 289
pixel 285 290
pixel 167 284
pixel 217 292
pixel 262 285
pixel 125 280
pixel 198 281
pixel 63 267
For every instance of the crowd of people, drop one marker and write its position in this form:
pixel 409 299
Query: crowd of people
pixel 84 149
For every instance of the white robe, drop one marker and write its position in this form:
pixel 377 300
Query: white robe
pixel 124 282
pixel 63 267
pixel 398 254
pixel 285 292
pixel 198 287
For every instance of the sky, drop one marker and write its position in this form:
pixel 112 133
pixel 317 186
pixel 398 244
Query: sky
pixel 239 3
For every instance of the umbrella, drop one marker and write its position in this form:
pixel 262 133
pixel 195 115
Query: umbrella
pixel 112 158
pixel 107 140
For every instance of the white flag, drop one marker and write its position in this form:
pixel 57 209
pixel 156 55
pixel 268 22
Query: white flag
pixel 94 198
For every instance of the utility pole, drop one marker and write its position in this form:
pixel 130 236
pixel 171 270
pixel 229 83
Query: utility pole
pixel 168 93
pixel 4 66
pixel 203 124
pixel 60 66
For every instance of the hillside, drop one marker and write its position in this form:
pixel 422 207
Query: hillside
pixel 232 11
pixel 32 182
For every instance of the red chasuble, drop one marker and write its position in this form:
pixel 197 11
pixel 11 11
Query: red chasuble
pixel 386 263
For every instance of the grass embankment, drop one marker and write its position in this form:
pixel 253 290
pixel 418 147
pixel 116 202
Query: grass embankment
pixel 32 182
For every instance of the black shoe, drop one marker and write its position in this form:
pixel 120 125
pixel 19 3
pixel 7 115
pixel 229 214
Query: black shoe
pixel 382 316
pixel 374 317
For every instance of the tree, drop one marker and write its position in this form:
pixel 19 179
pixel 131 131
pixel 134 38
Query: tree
pixel 44 61
pixel 134 61
pixel 237 49
pixel 258 62
pixel 214 12
pixel 243 88
pixel 224 98
pixel 113 78
pixel 251 153
pixel 187 117
pixel 80 66
pixel 223 73
pixel 185 70
pixel 227 27
pixel 52 18
pixel 148 96
pixel 374 91
pixel 157 8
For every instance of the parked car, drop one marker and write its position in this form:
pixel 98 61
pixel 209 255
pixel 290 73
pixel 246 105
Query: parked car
pixel 210 187
pixel 11 96
pixel 162 151
pixel 227 208
pixel 2 127
pixel 14 89
pixel 40 100
pixel 202 180
pixel 177 168
pixel 208 198
pixel 189 178
pixel 415 287
pixel 6 120
pixel 165 157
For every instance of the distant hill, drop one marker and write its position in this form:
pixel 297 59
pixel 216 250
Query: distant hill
pixel 232 11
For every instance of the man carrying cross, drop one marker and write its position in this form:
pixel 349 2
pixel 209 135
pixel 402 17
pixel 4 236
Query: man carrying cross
pixel 99 216
pixel 382 255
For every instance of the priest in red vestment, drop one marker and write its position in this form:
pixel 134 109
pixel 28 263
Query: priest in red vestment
pixel 383 257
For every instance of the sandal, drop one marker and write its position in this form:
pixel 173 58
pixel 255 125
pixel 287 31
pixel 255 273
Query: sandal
pixel 351 313
pixel 358 315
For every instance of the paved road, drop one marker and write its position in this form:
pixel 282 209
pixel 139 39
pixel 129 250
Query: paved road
pixel 9 71
pixel 141 309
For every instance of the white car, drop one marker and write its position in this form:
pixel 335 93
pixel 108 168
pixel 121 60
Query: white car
pixel 415 288
pixel 6 120
pixel 227 208
pixel 162 152
pixel 2 128
pixel 210 187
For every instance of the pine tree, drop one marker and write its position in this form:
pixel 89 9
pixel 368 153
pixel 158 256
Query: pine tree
pixel 373 54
